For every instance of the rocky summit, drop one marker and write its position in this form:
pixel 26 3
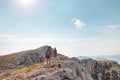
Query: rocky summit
pixel 30 65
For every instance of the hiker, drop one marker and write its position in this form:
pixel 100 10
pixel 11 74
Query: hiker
pixel 56 59
pixel 48 57
pixel 55 55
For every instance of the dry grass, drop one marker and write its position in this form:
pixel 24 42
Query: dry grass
pixel 104 61
pixel 22 70
pixel 26 69
pixel 114 69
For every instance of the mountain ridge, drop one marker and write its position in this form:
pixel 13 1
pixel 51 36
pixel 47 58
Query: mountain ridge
pixel 29 65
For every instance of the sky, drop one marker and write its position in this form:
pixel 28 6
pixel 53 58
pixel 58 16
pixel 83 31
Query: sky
pixel 74 27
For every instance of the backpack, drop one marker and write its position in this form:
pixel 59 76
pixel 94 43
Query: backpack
pixel 48 53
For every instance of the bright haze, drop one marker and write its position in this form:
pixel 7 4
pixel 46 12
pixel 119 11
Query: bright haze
pixel 74 27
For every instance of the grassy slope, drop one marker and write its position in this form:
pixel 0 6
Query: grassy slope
pixel 22 70
pixel 6 60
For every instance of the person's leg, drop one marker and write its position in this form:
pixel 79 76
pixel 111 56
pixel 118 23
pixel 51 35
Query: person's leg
pixel 45 60
pixel 49 63
pixel 55 61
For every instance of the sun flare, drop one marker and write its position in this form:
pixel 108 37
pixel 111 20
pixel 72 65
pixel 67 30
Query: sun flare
pixel 26 3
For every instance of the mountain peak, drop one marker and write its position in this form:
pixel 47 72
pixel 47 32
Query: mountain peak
pixel 45 46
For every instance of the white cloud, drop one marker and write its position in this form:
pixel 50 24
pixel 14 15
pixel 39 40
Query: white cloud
pixel 5 36
pixel 68 47
pixel 78 23
pixel 114 26
pixel 99 46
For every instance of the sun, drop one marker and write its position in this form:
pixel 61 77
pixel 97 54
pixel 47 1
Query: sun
pixel 25 7
pixel 26 3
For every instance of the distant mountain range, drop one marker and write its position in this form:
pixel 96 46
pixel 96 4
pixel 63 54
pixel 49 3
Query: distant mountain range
pixel 102 57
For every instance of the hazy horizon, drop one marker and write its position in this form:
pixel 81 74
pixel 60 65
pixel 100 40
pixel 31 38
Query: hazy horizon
pixel 75 28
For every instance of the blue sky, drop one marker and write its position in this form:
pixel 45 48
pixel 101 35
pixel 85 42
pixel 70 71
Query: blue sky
pixel 81 27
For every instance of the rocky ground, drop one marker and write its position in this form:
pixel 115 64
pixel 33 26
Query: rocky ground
pixel 30 66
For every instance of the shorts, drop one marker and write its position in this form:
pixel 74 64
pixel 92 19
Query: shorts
pixel 55 55
pixel 48 56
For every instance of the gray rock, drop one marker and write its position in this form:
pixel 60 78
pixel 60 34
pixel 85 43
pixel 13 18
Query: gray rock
pixel 71 68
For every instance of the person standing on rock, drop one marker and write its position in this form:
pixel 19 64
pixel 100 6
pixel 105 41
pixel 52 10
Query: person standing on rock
pixel 56 59
pixel 55 55
pixel 48 57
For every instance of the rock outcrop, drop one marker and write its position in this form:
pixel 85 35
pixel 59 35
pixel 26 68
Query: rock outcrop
pixel 23 58
pixel 25 67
